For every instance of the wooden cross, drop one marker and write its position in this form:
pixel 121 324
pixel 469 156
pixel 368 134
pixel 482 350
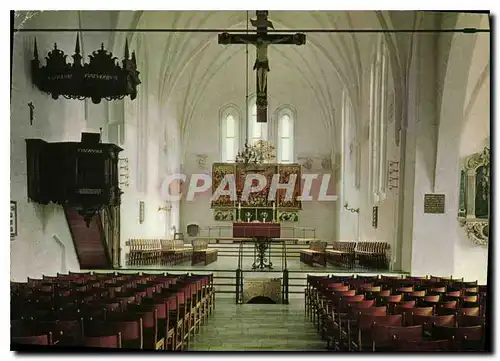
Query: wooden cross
pixel 262 39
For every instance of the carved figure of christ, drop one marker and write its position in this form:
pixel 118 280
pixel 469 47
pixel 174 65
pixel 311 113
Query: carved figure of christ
pixel 262 39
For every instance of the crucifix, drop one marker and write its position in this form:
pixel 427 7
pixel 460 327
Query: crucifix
pixel 262 39
pixel 32 110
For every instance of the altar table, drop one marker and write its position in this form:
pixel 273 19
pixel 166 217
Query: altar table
pixel 256 230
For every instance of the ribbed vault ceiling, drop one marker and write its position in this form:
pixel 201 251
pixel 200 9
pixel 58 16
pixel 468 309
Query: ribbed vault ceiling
pixel 179 67
pixel 328 63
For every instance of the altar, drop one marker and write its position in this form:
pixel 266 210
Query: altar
pixel 256 229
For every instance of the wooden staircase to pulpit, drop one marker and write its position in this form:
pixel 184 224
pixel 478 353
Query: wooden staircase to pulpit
pixel 90 242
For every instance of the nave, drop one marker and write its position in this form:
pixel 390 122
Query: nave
pixel 180 313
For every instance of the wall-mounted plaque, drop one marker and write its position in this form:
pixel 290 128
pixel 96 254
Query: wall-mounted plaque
pixel 434 203
pixel 375 217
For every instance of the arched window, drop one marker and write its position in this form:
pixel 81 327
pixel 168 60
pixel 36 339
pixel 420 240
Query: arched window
pixel 229 134
pixel 256 131
pixel 285 136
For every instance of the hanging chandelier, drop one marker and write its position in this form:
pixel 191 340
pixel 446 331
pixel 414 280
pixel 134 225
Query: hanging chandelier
pixel 260 152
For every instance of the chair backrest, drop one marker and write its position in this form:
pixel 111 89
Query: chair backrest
pixel 423 311
pixel 350 299
pixel 109 341
pixel 373 311
pixel 387 333
pixel 361 304
pixel 469 333
pixel 469 311
pixel 130 330
pixel 432 298
pixel 344 292
pixel 392 298
pixel 365 322
pixel 465 320
pixel 430 321
pixel 421 346
pixel 438 289
pixel 45 340
pixel 417 293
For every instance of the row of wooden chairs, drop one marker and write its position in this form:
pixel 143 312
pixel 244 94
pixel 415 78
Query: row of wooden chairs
pixel 315 254
pixel 372 255
pixel 158 251
pixel 385 313
pixel 341 254
pixel 112 310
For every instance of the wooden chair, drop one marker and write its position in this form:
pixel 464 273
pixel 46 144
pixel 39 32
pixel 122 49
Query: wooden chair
pixel 149 315
pixel 166 326
pixel 359 331
pixel 128 325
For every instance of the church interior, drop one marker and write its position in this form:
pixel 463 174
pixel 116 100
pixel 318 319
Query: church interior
pixel 250 180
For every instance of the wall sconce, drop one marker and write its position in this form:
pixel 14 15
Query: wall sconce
pixel 393 174
pixel 352 210
pixel 168 207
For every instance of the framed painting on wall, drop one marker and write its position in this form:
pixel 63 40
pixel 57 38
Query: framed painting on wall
pixel 13 219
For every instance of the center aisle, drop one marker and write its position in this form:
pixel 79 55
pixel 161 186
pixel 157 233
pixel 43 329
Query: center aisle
pixel 257 327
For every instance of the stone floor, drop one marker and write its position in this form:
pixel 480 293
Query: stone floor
pixel 257 327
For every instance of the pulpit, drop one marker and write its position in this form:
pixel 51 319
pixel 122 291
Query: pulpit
pixel 262 235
